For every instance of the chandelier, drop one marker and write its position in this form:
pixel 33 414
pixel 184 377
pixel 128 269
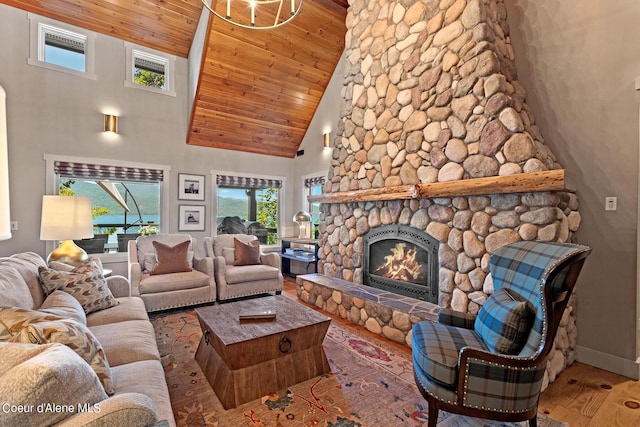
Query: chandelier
pixel 255 14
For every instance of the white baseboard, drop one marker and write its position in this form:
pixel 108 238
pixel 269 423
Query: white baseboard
pixel 608 362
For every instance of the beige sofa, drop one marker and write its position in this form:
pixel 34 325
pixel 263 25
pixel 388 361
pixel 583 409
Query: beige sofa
pixel 239 281
pixel 173 290
pixel 58 376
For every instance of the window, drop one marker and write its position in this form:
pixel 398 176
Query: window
pixel 125 200
pixel 149 70
pixel 313 186
pixel 61 47
pixel 248 206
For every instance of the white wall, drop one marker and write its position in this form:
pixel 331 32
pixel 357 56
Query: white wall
pixel 50 112
pixel 578 61
pixel 316 160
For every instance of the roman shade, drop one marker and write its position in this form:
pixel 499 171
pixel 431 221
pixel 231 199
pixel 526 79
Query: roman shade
pixel 246 182
pixel 316 180
pixel 106 172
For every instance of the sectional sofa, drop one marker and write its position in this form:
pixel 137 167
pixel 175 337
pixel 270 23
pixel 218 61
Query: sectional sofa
pixel 45 382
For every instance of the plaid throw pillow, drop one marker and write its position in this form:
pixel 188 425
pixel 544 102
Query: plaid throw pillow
pixel 85 283
pixel 503 322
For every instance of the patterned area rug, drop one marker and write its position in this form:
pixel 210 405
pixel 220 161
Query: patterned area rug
pixel 371 384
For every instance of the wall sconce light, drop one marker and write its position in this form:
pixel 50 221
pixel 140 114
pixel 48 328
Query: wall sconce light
pixel 327 140
pixel 110 123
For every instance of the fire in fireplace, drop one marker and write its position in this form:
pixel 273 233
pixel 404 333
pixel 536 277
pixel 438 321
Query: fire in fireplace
pixel 402 260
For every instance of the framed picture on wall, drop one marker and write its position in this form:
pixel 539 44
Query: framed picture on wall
pixel 191 218
pixel 190 187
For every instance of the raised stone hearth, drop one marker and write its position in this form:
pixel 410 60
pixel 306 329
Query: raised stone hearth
pixel 431 98
pixel 381 312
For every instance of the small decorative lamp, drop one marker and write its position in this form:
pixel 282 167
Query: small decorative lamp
pixel 110 123
pixel 5 217
pixel 327 140
pixel 303 219
pixel 66 218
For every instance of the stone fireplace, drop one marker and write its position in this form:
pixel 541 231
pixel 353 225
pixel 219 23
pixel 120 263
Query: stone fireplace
pixel 403 260
pixel 435 134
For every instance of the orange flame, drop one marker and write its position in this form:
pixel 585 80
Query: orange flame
pixel 401 264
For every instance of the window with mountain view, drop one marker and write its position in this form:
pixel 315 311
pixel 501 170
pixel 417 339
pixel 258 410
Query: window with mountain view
pixel 111 221
pixel 248 206
pixel 125 200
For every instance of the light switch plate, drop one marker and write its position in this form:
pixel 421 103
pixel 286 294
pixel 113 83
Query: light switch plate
pixel 610 203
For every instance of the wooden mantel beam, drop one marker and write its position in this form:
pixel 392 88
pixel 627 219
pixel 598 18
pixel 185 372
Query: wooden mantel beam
pixel 552 180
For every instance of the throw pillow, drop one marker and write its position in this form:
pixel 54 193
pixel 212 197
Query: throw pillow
pixel 171 259
pixel 61 266
pixel 62 304
pixel 85 283
pixel 15 319
pixel 246 253
pixel 229 255
pixel 149 261
pixel 75 336
pixel 503 322
pixel 36 327
pixel 52 374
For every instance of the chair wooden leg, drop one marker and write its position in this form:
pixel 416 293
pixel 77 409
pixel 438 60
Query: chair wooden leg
pixel 433 412
pixel 533 422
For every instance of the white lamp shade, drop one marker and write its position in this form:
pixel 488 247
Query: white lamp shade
pixel 66 218
pixel 5 212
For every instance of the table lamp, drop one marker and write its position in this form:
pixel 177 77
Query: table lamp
pixel 66 218
pixel 303 219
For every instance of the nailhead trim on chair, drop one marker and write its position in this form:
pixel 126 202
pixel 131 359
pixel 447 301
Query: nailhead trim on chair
pixel 466 381
pixel 168 307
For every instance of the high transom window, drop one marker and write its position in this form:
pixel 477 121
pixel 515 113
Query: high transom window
pixel 61 47
pixel 150 70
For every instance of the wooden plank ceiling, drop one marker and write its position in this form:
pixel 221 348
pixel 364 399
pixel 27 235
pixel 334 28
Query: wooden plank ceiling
pixel 258 89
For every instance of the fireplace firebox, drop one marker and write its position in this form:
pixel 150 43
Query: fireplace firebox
pixel 402 260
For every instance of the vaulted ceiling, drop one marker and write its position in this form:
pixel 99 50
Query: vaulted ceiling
pixel 257 89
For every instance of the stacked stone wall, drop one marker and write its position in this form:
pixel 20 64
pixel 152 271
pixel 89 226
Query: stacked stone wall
pixel 431 95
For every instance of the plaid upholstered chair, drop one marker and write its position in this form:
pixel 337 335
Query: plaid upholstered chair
pixel 492 365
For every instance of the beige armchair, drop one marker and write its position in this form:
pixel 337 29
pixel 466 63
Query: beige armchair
pixel 235 281
pixel 174 289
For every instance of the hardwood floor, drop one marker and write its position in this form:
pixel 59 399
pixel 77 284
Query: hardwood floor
pixel 582 395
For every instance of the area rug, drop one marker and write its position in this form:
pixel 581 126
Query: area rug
pixel 371 384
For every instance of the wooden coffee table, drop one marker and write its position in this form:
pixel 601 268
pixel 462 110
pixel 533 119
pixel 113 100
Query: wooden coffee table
pixel 246 360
